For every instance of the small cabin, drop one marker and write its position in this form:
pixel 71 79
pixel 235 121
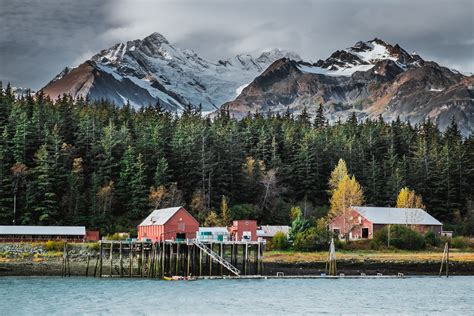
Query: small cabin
pixel 173 223
pixel 244 230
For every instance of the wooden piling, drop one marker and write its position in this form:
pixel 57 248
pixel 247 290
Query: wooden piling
pixel 259 259
pixel 200 262
pixel 130 257
pixel 67 260
pixel 177 259
pixel 188 260
pixel 142 261
pixel 222 255
pixel 87 264
pixel 121 259
pixel 210 261
pixel 163 251
pixel 111 258
pixel 96 265
pixel 100 258
pixel 246 253
pixel 63 266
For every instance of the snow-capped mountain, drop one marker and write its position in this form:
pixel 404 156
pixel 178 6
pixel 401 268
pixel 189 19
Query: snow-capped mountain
pixel 144 71
pixel 370 79
pixel 363 56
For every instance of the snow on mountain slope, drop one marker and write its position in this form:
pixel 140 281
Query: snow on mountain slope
pixel 370 79
pixel 175 76
pixel 361 57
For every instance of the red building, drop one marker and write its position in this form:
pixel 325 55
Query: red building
pixel 244 230
pixel 173 223
pixel 363 222
pixel 92 235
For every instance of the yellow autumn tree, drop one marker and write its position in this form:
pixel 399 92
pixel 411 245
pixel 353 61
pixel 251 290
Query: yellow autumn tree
pixel 339 172
pixel 226 216
pixel 212 219
pixel 348 193
pixel 409 199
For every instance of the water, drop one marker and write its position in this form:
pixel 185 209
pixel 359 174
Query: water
pixel 77 296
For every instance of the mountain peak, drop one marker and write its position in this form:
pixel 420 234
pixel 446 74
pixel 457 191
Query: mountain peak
pixel 275 54
pixel 362 57
pixel 156 38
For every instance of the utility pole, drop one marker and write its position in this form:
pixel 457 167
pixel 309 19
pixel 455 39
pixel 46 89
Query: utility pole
pixel 15 189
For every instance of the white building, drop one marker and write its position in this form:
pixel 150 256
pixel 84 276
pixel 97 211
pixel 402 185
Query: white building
pixel 213 234
pixel 267 232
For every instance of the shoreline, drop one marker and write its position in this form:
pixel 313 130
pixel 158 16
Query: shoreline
pixel 78 268
pixel 37 260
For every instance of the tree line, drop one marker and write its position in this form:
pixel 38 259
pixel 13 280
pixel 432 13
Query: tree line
pixel 96 164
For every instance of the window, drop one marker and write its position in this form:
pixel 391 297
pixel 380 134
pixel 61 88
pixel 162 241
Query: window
pixel 181 226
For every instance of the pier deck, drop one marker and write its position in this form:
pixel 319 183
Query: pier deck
pixel 179 258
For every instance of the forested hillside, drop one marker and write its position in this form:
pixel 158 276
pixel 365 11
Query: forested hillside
pixel 107 167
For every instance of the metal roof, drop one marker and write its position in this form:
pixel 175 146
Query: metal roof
pixel 214 229
pixel 393 215
pixel 160 217
pixel 43 230
pixel 271 230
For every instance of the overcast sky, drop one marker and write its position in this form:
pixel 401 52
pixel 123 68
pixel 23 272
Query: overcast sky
pixel 38 38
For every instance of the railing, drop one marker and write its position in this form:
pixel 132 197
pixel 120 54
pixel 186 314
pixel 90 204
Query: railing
pixel 216 257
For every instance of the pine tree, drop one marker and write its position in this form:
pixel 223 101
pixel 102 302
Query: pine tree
pixel 45 206
pixel 137 202
pixel 320 120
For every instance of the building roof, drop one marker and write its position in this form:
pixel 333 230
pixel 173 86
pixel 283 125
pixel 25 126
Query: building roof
pixel 43 230
pixel 214 229
pixel 160 217
pixel 271 230
pixel 393 215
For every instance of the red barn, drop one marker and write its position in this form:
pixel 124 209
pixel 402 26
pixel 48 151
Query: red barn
pixel 362 222
pixel 244 230
pixel 173 223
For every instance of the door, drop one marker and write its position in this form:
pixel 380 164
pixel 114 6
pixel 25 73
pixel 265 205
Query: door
pixel 365 233
pixel 180 236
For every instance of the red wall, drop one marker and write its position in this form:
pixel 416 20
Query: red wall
pixel 92 235
pixel 238 227
pixel 181 222
pixel 338 223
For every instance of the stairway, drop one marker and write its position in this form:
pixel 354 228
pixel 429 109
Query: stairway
pixel 216 257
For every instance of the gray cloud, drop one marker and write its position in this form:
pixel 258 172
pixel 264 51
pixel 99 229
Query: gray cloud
pixel 41 37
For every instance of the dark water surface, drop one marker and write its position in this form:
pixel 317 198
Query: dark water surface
pixel 77 296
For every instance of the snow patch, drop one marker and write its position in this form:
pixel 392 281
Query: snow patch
pixel 378 52
pixel 239 90
pixel 344 71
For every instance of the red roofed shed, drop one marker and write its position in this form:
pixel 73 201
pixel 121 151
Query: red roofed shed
pixel 174 223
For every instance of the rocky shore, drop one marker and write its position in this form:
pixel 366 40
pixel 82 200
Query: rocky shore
pixel 36 260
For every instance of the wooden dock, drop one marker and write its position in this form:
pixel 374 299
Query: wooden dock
pixel 174 258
